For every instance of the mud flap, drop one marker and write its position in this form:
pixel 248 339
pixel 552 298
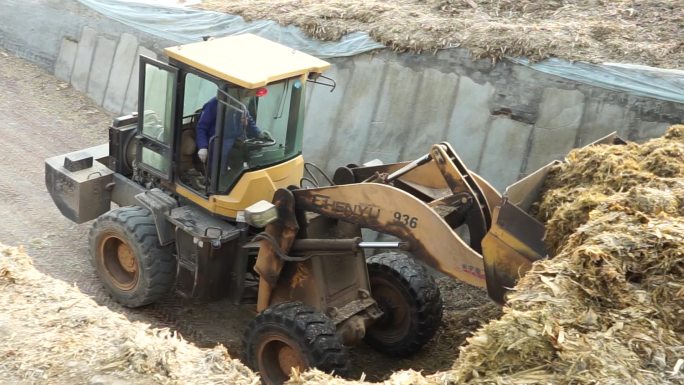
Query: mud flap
pixel 160 204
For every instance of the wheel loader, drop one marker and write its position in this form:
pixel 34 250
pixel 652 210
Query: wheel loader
pixel 255 223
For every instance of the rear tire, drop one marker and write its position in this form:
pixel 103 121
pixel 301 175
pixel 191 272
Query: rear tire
pixel 410 300
pixel 289 335
pixel 125 251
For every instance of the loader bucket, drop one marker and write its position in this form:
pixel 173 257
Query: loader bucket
pixel 516 239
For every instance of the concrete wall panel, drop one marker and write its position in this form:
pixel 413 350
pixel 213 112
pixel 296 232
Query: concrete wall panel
pixel 554 134
pixel 65 61
pixel 391 132
pixel 504 151
pixel 351 126
pixel 651 129
pixel 84 58
pixel 600 119
pixel 430 120
pixel 124 57
pixel 470 120
pixel 102 65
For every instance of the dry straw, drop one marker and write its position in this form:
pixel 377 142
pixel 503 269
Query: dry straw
pixel 643 32
pixel 53 334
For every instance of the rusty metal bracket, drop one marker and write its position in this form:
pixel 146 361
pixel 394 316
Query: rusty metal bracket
pixel 352 308
pixel 283 231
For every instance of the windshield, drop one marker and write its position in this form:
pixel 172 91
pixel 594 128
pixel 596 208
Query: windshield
pixel 261 128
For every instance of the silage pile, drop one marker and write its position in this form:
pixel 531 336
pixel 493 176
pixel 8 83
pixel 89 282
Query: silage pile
pixel 609 308
pixel 626 31
pixel 51 333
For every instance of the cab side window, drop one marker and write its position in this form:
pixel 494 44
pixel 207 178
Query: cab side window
pixel 156 116
pixel 197 92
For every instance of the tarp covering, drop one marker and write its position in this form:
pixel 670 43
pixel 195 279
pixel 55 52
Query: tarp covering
pixel 639 80
pixel 186 25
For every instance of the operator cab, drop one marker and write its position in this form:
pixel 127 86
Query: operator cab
pixel 249 77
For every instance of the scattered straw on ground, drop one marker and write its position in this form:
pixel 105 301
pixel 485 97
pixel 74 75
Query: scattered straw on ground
pixel 53 334
pixel 627 31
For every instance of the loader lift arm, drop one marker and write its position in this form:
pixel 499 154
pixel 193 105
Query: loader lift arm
pixel 422 203
pixel 440 180
pixel 387 209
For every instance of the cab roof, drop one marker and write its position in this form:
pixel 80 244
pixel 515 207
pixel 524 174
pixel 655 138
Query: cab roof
pixel 247 60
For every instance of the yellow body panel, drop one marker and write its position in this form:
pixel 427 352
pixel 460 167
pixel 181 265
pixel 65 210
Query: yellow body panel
pixel 246 60
pixel 252 187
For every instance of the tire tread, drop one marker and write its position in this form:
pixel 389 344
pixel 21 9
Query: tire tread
pixel 425 303
pixel 311 329
pixel 158 263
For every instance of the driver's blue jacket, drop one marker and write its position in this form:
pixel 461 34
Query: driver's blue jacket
pixel 206 126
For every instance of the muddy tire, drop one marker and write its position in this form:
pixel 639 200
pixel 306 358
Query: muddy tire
pixel 125 251
pixel 410 301
pixel 292 334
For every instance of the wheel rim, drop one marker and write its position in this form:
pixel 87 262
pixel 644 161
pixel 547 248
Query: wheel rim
pixel 276 356
pixel 395 323
pixel 119 262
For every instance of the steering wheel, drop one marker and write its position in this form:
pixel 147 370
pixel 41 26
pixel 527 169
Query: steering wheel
pixel 253 143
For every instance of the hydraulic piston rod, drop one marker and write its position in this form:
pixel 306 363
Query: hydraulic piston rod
pixel 382 245
pixel 344 244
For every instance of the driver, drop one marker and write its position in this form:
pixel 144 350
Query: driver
pixel 237 124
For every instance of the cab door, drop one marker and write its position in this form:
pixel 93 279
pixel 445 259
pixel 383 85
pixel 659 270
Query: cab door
pixel 156 117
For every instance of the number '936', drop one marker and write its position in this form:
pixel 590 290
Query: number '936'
pixel 408 220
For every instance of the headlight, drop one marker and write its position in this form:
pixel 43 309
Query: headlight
pixel 260 214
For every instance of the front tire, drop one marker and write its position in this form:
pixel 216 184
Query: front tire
pixel 289 335
pixel 125 251
pixel 410 300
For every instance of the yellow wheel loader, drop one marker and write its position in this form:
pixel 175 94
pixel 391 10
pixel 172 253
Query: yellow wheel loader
pixel 253 215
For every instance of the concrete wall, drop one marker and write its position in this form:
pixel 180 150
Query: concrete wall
pixel 505 120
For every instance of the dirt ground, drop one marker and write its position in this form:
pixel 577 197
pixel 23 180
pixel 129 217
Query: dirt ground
pixel 42 117
pixel 645 32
